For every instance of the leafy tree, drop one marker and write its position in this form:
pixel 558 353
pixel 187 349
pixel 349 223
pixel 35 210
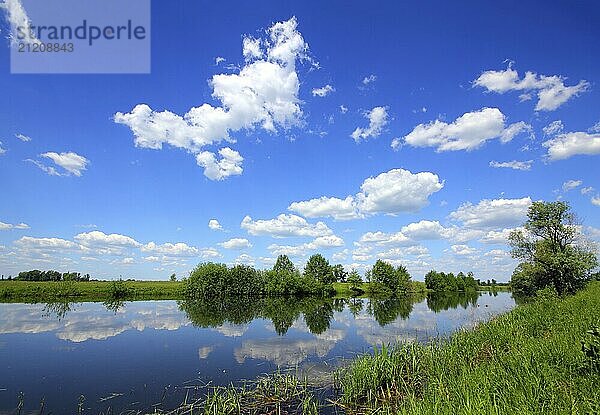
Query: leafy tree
pixel 395 279
pixel 339 273
pixel 284 263
pixel 173 277
pixel 551 251
pixel 319 269
pixel 354 279
pixel 208 280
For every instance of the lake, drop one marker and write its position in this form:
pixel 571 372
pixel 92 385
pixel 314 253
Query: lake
pixel 113 357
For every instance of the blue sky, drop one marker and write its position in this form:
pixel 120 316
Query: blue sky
pixel 408 132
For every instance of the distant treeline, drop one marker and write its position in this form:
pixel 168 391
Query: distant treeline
pixel 37 275
pixel 439 281
pixel 210 280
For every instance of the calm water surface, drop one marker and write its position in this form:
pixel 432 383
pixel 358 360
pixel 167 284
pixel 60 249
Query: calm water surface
pixel 114 357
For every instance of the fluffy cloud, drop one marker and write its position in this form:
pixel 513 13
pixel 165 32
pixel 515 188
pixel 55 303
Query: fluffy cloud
pixel 49 244
pixel 98 238
pixel 551 90
pixel 322 242
pixel 497 237
pixel 514 164
pixel 571 184
pixel 596 201
pixel 339 209
pixel 492 213
pixel 425 230
pixel 2 150
pixel 568 145
pixel 323 91
pixel 178 249
pixel 378 118
pixel 391 192
pixel 285 226
pixel 263 94
pixel 236 243
pixel 72 163
pixel 214 225
pixel 382 239
pixel 397 191
pixel 230 163
pixel 468 132
pixel 8 226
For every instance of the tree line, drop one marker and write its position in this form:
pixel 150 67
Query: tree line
pixel 212 280
pixel 37 275
pixel 439 281
pixel 209 280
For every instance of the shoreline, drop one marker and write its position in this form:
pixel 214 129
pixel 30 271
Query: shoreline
pixel 12 291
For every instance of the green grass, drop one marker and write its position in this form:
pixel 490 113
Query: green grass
pixel 277 393
pixel 92 290
pixel 527 361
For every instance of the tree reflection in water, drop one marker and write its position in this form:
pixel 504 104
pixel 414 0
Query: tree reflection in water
pixel 284 311
pixel 440 301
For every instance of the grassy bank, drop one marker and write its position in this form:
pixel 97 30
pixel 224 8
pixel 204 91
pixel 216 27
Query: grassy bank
pixel 527 361
pixel 92 290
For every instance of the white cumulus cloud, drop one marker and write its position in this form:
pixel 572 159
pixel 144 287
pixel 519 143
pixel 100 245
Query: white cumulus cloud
pixel 392 192
pixel 263 94
pixel 230 163
pixel 567 145
pixel 492 213
pixel 285 226
pixel 214 225
pixel 378 118
pixel 236 243
pixel 468 132
pixel 551 90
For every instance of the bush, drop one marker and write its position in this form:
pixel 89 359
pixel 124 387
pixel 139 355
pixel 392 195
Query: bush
pixel 119 289
pixel 208 280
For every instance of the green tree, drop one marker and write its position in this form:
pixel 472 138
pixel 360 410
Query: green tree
pixel 173 277
pixel 318 268
pixel 208 280
pixel 339 273
pixel 354 279
pixel 284 263
pixel 396 279
pixel 551 251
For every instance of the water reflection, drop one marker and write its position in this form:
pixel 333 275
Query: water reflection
pixel 136 348
pixel 446 300
pixel 230 317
